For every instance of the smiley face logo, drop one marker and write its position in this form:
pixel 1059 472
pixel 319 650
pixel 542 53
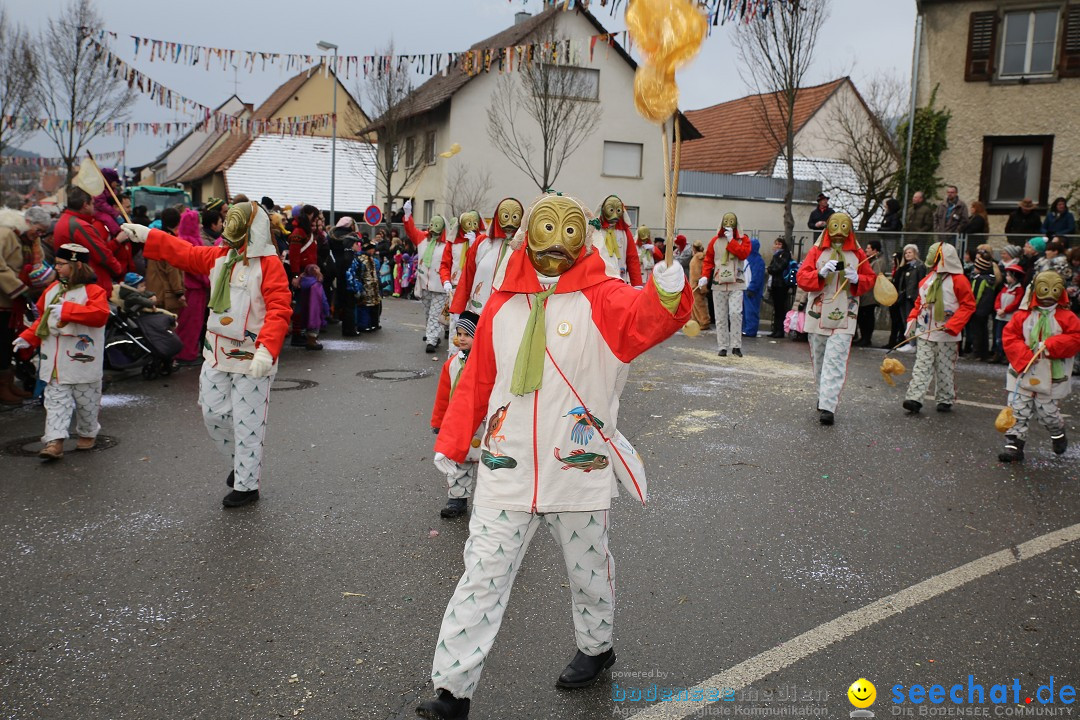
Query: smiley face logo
pixel 862 693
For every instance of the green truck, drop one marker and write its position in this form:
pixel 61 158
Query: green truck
pixel 157 199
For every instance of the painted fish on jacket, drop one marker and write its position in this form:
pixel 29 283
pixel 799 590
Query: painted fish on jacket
pixel 582 460
pixel 497 462
pixel 236 354
pixel 80 357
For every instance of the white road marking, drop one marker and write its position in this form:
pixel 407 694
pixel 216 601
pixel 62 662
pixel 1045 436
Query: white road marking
pixel 798 648
pixel 972 403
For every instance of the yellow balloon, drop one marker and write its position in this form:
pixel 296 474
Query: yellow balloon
pixel 656 95
pixel 692 328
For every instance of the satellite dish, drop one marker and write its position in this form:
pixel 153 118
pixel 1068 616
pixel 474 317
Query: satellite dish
pixel 89 178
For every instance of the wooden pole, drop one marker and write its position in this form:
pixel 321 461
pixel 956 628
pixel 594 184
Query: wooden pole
pixel 108 187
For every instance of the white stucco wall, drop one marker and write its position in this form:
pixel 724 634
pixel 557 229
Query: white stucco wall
pixel 582 174
pixel 992 108
pixel 183 150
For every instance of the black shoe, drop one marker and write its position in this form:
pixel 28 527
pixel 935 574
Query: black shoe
pixel 298 341
pixel 1061 443
pixel 1013 452
pixel 825 417
pixel 444 707
pixel 584 669
pixel 429 348
pixel 232 477
pixel 913 406
pixel 736 352
pixel 944 407
pixel 239 498
pixel 722 353
pixel 455 507
pixel 776 334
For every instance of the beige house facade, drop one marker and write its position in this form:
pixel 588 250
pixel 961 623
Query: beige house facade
pixel 1008 71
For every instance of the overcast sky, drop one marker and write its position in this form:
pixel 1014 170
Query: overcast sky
pixel 862 38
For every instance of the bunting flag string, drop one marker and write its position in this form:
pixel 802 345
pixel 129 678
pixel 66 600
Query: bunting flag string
pixel 294 125
pixel 117 156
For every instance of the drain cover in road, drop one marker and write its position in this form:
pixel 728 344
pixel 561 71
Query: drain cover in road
pixel 393 375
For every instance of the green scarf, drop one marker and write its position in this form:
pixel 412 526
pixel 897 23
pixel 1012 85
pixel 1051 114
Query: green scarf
pixel 43 324
pixel 935 297
pixel 529 367
pixel 220 301
pixel 429 251
pixel 611 243
pixel 726 257
pixel 1040 331
pixel 453 385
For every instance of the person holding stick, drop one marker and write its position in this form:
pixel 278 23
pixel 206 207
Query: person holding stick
pixel 943 307
pixel 1041 342
pixel 834 274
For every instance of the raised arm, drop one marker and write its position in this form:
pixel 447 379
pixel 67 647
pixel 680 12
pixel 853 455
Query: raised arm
pixel 180 253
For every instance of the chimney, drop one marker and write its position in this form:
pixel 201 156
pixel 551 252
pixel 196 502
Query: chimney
pixel 521 16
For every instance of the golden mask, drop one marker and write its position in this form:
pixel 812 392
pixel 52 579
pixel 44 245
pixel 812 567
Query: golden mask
pixel 436 226
pixel 1048 287
pixel 613 208
pixel 644 234
pixel 509 213
pixel 729 221
pixel 839 226
pixel 470 221
pixel 556 235
pixel 238 224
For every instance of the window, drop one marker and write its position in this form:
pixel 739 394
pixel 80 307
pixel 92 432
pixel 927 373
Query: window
pixel 429 211
pixel 1015 168
pixel 429 147
pixel 632 212
pixel 410 151
pixel 565 81
pixel 622 159
pixel 1029 42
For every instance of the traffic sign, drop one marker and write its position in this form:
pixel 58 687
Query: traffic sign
pixel 373 215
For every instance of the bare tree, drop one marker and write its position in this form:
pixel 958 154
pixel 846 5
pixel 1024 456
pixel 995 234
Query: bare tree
pixel 18 73
pixel 387 90
pixel 775 53
pixel 863 131
pixel 467 189
pixel 548 110
pixel 75 83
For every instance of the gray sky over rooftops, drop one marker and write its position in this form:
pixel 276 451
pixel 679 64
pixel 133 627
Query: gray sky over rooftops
pixel 862 38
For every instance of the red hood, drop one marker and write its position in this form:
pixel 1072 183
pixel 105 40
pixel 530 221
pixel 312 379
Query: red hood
pixel 520 276
pixel 497 232
pixel 849 243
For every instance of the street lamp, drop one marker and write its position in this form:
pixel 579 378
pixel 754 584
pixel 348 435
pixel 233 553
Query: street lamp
pixel 323 45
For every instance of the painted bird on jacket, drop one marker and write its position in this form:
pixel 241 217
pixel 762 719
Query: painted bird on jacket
pixel 495 423
pixel 582 460
pixel 83 342
pixel 586 425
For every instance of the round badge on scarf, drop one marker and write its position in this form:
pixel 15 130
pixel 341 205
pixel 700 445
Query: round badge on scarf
pixel 564 328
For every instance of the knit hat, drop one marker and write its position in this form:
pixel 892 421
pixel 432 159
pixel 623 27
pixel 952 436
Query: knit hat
pixel 467 322
pixel 133 279
pixel 346 222
pixel 1039 243
pixel 214 204
pixel 982 265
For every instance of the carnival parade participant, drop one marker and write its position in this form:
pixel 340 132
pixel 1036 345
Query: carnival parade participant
pixel 723 260
pixel 486 259
pixel 942 309
pixel 430 245
pixel 1045 335
pixel 250 310
pixel 645 248
pixel 460 484
pixel 70 335
pixel 618 247
pixel 542 376
pixel 833 274
pixel 470 230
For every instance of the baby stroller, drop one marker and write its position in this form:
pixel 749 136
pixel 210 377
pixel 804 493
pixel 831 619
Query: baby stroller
pixel 143 340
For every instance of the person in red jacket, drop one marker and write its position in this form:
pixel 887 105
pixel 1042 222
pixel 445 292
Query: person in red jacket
pixel 303 251
pixel 1045 334
pixel 618 248
pixel 544 375
pixel 486 259
pixel 250 307
pixel 834 274
pixel 460 484
pixel 77 225
pixel 942 309
pixel 723 264
pixel 470 232
pixel 70 335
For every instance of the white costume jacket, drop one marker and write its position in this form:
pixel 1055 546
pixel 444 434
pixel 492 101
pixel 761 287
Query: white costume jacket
pixel 74 353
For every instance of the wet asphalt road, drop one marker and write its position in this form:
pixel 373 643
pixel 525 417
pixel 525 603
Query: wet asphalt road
pixel 127 592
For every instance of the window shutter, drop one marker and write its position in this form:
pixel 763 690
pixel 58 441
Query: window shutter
pixel 1070 43
pixel 982 41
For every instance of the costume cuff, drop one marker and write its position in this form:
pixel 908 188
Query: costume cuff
pixel 669 300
